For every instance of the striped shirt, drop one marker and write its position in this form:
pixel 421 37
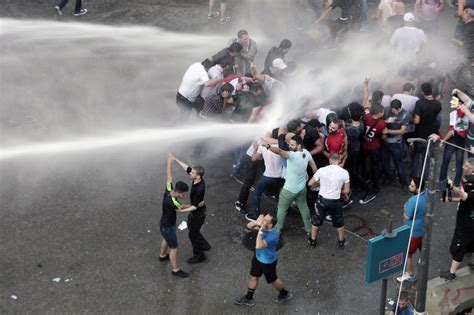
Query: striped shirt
pixel 213 106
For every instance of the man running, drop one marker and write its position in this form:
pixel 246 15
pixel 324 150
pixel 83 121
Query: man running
pixel 264 262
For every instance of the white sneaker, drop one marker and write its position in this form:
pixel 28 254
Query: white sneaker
pixel 328 217
pixel 82 12
pixel 406 277
pixel 58 9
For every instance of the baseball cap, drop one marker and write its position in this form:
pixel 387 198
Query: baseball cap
pixel 409 17
pixel 279 63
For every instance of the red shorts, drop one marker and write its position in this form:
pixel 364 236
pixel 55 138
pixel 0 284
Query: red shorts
pixel 415 243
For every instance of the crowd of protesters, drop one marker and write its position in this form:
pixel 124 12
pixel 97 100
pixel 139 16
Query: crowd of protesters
pixel 318 160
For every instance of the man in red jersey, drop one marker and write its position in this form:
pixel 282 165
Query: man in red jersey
pixel 375 127
pixel 336 141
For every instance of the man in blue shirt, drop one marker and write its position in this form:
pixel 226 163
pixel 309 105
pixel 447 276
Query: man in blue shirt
pixel 416 187
pixel 264 261
pixel 404 307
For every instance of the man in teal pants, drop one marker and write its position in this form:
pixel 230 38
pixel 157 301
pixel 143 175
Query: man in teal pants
pixel 295 181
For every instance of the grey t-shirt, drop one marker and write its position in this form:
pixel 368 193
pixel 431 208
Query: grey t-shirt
pixel 402 119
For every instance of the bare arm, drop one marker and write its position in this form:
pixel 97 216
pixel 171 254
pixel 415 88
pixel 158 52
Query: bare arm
pixel 460 193
pixel 366 102
pixel 284 154
pixel 397 132
pixel 213 82
pixel 313 166
pixel 181 163
pixel 169 175
pixel 256 155
pixel 318 147
pixel 346 188
pixel 187 208
pixel 313 182
pixel 260 241
pixel 416 119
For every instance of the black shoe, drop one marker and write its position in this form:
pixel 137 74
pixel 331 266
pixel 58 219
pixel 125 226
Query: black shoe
pixel 167 257
pixel 347 203
pixel 448 275
pixel 282 299
pixel 196 260
pixel 312 242
pixel 341 244
pixel 180 273
pixel 239 206
pixel 206 247
pixel 244 301
pixel 367 199
pixel 82 12
pixel 251 217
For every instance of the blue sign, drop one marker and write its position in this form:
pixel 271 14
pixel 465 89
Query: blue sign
pixel 386 256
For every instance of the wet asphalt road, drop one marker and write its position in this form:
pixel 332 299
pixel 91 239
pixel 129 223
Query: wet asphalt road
pixel 92 220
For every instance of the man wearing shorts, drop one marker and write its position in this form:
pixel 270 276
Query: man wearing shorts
pixel 416 187
pixel 332 181
pixel 264 262
pixel 168 220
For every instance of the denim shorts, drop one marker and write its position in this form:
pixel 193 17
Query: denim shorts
pixel 169 234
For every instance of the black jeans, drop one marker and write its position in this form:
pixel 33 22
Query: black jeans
pixel 195 221
pixel 352 165
pixel 186 106
pixel 77 9
pixel 250 173
pixel 373 173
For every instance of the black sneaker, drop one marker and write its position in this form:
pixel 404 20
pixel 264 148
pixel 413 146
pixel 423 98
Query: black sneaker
pixel 239 206
pixel 341 244
pixel 282 299
pixel 367 199
pixel 251 217
pixel 82 12
pixel 180 273
pixel 165 258
pixel 448 275
pixel 206 247
pixel 347 203
pixel 195 260
pixel 244 301
pixel 312 242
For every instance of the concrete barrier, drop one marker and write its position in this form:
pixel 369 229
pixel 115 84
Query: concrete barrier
pixel 450 297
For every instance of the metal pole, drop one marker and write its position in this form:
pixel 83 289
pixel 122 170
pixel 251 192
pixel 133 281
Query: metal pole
pixel 383 296
pixel 425 252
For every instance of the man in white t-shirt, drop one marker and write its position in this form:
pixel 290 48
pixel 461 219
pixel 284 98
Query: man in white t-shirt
pixel 332 181
pixel 272 177
pixel 216 72
pixel 193 80
pixel 408 39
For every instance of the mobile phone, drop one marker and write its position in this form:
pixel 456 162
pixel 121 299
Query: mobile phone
pixel 454 101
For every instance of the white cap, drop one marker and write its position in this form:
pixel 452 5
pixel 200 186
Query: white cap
pixel 409 17
pixel 279 63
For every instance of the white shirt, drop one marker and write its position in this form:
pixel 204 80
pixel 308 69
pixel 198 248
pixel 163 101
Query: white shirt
pixel 213 73
pixel 331 178
pixel 408 101
pixel 322 114
pixel 408 41
pixel 273 164
pixel 193 81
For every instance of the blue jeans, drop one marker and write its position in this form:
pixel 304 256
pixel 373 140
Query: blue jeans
pixel 419 151
pixel 395 151
pixel 447 154
pixel 262 185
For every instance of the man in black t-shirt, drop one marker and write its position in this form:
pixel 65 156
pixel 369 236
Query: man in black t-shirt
pixel 230 52
pixel 463 238
pixel 197 216
pixel 427 122
pixel 341 25
pixel 171 204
